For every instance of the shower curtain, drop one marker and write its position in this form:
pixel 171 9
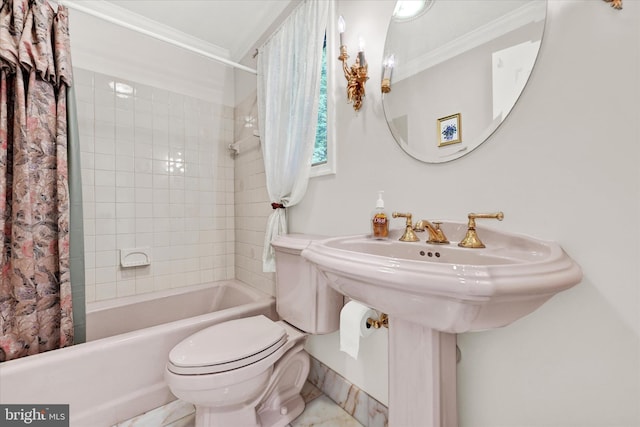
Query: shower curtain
pixel 35 72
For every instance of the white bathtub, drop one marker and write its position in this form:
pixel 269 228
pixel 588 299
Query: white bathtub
pixel 118 373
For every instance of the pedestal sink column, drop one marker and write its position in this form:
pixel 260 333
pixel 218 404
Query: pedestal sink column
pixel 422 376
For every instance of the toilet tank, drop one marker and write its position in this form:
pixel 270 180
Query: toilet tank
pixel 303 297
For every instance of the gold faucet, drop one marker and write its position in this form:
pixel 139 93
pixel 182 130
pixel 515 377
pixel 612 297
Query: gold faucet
pixel 409 235
pixel 436 235
pixel 471 240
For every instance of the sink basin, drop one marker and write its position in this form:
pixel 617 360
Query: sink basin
pixel 446 287
pixel 433 292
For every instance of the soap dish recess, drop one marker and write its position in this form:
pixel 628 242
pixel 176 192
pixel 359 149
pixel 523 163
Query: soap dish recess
pixel 135 257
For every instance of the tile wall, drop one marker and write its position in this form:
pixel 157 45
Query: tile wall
pixel 156 172
pixel 253 206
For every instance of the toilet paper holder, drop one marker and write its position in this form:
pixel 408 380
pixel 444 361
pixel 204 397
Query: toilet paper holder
pixel 381 321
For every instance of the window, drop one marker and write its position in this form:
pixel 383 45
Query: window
pixel 320 147
pixel 323 160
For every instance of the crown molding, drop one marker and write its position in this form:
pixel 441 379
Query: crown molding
pixel 481 35
pixel 135 21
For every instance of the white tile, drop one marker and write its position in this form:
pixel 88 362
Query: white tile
pixel 89 243
pixel 103 82
pixel 90 260
pixel 143 225
pixel 105 291
pixel 143 165
pixel 104 161
pixel 160 181
pixel 105 178
pixel 144 285
pixel 161 210
pixel 89 226
pixel 126 240
pixel 144 195
pixel 143 150
pixel 90 292
pixel 132 198
pixel 161 195
pixel 124 129
pixel 105 194
pixel 104 99
pixel 83 77
pixel 144 239
pixel 104 146
pixel 125 195
pixel 124 102
pixel 144 119
pixel 161 137
pixel 106 259
pixel 125 179
pixel 125 210
pixel 125 288
pixel 105 243
pixel 144 180
pixel 161 167
pixel 125 148
pixel 105 226
pixel 143 93
pixel 87 142
pixel 144 210
pixel 105 275
pixel 124 274
pixel 124 163
pixel 160 96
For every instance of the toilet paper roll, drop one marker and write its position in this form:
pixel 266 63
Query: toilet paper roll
pixel 353 326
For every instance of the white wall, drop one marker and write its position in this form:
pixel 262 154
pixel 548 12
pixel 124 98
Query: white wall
pixel 155 166
pixel 563 167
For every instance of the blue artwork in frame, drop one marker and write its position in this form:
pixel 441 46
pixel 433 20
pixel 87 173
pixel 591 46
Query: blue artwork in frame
pixel 449 130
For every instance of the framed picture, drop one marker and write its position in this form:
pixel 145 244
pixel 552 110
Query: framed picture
pixel 449 130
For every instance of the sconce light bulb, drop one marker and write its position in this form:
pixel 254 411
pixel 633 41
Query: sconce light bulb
pixel 390 61
pixel 341 27
pixel 361 44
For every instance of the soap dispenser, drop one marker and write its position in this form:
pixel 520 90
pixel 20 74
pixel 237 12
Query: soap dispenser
pixel 380 220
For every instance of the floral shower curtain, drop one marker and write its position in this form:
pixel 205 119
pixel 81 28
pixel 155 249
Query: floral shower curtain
pixel 35 71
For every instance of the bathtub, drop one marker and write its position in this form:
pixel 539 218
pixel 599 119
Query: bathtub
pixel 118 373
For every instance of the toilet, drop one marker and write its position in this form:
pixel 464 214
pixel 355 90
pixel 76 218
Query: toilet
pixel 250 371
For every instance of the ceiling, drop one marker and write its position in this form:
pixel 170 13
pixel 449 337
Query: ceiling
pixel 233 25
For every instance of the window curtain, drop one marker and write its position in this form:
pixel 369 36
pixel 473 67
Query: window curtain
pixel 35 72
pixel 289 67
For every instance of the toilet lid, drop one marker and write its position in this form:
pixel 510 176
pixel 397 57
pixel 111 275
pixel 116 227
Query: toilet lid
pixel 228 345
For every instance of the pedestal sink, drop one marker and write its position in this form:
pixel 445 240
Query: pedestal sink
pixel 433 292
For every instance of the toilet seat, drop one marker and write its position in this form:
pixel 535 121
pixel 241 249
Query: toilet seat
pixel 227 346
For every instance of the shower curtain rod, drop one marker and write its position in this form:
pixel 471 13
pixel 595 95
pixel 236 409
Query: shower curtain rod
pixel 105 17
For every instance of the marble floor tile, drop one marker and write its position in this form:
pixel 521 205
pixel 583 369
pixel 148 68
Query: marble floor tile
pixel 324 412
pixel 172 414
pixel 319 411
pixel 310 392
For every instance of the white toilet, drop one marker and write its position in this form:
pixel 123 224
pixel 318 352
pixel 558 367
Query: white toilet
pixel 249 372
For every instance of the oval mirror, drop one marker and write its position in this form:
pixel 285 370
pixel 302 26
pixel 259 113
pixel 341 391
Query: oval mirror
pixel 453 70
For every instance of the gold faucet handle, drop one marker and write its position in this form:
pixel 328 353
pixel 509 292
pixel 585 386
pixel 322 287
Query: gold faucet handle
pixel 403 215
pixel 409 235
pixel 473 216
pixel 471 240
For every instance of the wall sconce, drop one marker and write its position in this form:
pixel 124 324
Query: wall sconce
pixel 616 4
pixel 387 70
pixel 356 75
